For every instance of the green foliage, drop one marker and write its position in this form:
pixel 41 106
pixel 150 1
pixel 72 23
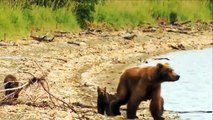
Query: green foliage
pixel 18 17
pixel 83 11
pixel 54 4
pixel 17 22
pixel 120 14
pixel 173 17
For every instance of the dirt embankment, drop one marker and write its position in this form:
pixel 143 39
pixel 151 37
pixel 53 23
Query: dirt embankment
pixel 77 63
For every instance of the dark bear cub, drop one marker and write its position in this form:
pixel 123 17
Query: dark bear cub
pixel 103 101
pixel 10 81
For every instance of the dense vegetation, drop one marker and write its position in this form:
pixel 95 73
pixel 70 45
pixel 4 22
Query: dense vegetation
pixel 20 17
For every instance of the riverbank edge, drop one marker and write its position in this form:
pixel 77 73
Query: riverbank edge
pixel 132 61
pixel 168 114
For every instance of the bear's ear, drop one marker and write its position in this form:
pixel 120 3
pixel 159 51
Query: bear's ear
pixel 159 65
pixel 105 89
pixel 98 89
pixel 166 64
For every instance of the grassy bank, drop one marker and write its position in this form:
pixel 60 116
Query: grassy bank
pixel 16 21
pixel 120 14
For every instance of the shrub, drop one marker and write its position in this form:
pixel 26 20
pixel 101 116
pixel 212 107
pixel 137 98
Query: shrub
pixel 173 17
pixel 83 10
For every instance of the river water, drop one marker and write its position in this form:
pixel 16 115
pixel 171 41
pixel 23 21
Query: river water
pixel 193 92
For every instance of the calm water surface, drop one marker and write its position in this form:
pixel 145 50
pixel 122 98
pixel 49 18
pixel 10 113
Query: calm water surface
pixel 193 91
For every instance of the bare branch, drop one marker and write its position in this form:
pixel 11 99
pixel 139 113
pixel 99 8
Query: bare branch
pixel 16 88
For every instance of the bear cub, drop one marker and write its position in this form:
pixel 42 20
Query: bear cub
pixel 10 81
pixel 103 101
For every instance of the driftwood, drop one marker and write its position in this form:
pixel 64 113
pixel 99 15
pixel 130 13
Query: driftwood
pixel 149 29
pixel 193 111
pixel 129 36
pixel 53 96
pixel 42 81
pixel 161 59
pixel 177 47
pixel 94 30
pixel 87 32
pixel 43 38
pixel 182 23
pixel 44 85
pixel 185 22
pixel 60 33
pixel 177 31
pixel 8 44
pixel 76 43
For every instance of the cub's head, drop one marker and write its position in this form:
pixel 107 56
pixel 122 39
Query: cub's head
pixel 166 73
pixel 10 81
pixel 101 91
pixel 102 95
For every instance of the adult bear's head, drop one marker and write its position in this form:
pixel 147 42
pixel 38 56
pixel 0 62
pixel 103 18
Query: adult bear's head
pixel 166 73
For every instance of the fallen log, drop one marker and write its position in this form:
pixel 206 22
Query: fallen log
pixel 161 59
pixel 43 38
pixel 8 44
pixel 76 43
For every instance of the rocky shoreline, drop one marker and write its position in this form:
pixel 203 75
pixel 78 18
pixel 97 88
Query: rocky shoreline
pixel 77 63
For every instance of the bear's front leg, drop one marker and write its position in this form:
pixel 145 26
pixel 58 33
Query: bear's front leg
pixel 101 108
pixel 156 108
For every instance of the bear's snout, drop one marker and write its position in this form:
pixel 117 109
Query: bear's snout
pixel 177 77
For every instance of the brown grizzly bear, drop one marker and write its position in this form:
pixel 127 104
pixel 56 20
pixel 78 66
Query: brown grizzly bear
pixel 103 101
pixel 139 84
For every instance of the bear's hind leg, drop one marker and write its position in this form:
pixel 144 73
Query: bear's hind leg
pixel 131 109
pixel 133 104
pixel 116 104
pixel 121 99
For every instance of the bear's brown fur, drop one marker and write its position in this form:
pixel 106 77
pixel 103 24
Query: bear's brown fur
pixel 156 108
pixel 10 81
pixel 103 101
pixel 139 84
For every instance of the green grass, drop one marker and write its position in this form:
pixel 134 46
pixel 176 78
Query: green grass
pixel 17 22
pixel 119 13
